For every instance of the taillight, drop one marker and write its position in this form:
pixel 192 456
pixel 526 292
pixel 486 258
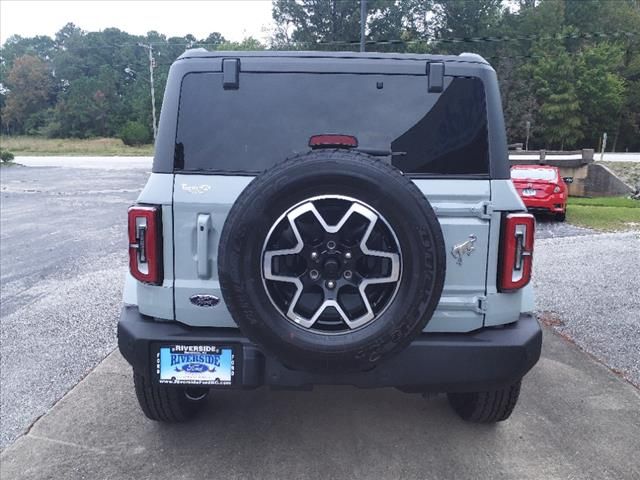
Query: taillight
pixel 516 251
pixel 557 189
pixel 145 243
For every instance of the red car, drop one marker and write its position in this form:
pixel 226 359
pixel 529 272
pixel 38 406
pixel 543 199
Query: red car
pixel 542 189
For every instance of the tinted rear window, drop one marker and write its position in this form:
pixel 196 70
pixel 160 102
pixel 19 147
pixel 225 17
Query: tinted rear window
pixel 533 174
pixel 272 116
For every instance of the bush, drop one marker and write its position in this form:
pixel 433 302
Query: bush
pixel 135 133
pixel 6 156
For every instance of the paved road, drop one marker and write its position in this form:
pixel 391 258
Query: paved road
pixel 62 261
pixel 111 163
pixel 619 157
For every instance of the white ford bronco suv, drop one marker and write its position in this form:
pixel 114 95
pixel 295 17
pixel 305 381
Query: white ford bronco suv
pixel 330 218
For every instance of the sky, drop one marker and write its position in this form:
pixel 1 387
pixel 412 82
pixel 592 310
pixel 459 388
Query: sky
pixel 235 20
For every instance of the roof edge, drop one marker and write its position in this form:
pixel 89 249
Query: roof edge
pixel 203 53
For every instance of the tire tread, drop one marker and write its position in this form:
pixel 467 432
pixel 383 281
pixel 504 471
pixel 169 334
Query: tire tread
pixel 486 407
pixel 163 404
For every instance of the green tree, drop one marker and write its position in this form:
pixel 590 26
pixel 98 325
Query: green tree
pixel 303 24
pixel 84 110
pixel 514 61
pixel 16 46
pixel 248 43
pixel 335 24
pixel 559 119
pixel 462 18
pixel 600 90
pixel 29 85
pixel 213 40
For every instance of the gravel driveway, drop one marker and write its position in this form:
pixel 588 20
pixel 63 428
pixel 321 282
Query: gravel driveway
pixel 588 288
pixel 547 228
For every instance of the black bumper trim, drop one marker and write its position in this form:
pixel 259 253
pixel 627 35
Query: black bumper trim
pixel 485 359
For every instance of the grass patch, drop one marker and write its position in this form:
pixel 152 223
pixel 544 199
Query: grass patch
pixel 605 202
pixel 24 145
pixel 604 213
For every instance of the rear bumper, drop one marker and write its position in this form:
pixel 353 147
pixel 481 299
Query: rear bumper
pixel 554 204
pixel 440 362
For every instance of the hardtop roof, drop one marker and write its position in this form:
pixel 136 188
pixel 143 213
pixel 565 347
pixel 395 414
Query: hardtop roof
pixel 279 54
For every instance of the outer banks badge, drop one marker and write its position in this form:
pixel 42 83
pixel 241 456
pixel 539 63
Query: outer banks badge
pixel 195 365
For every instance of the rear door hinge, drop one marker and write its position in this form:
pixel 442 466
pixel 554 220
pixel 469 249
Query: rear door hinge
pixel 487 210
pixel 482 304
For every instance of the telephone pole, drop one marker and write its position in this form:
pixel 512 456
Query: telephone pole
pixel 363 22
pixel 152 62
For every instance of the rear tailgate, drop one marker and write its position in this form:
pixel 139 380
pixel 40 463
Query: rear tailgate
pixel 202 202
pixel 234 124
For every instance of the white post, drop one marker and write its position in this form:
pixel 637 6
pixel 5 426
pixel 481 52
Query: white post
pixel 604 146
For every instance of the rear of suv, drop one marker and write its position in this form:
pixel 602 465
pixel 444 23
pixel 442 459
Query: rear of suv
pixel 542 189
pixel 330 218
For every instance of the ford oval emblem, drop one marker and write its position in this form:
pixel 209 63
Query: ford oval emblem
pixel 195 368
pixel 201 300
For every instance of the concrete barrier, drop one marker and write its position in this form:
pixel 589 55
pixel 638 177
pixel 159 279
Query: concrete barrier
pixel 602 182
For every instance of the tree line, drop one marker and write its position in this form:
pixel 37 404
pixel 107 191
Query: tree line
pixel 569 70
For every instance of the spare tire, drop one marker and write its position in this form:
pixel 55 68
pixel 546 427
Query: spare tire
pixel 331 261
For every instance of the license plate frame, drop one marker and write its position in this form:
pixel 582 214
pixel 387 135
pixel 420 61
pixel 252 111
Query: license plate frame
pixel 189 364
pixel 529 192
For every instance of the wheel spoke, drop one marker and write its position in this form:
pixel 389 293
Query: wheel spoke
pixel 267 263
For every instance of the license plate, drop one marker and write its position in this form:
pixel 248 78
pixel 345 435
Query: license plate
pixel 195 365
pixel 529 192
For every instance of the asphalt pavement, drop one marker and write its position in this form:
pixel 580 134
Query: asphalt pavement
pixel 62 260
pixel 102 163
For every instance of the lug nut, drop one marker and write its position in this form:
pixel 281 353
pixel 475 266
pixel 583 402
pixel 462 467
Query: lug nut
pixel 314 274
pixel 314 255
pixel 347 255
pixel 331 284
pixel 347 274
pixel 331 244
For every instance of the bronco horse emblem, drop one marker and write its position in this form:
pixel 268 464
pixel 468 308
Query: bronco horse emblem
pixel 464 248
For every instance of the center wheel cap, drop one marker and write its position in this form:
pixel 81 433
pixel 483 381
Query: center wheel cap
pixel 331 268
